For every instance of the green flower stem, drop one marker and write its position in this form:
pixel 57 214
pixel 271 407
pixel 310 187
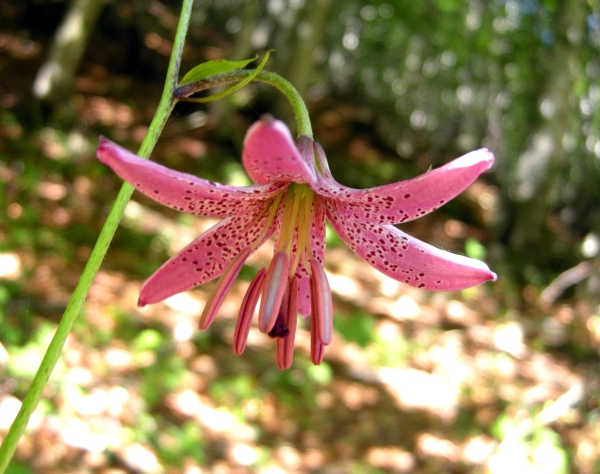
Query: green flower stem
pixel 53 352
pixel 300 110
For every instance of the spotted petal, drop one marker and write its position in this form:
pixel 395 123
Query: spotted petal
pixel 271 156
pixel 407 200
pixel 407 259
pixel 207 257
pixel 182 191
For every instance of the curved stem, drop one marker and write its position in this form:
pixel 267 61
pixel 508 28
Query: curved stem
pixel 275 80
pixel 53 352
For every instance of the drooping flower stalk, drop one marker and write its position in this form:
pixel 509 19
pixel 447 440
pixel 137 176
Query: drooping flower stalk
pixel 293 196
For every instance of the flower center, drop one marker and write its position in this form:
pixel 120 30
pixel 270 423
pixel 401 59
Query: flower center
pixel 296 222
pixel 278 285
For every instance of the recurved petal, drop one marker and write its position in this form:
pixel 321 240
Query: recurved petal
pixel 182 191
pixel 407 200
pixel 305 146
pixel 321 162
pixel 207 257
pixel 271 156
pixel 407 259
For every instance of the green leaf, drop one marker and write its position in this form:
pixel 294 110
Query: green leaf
pixel 211 68
pixel 234 88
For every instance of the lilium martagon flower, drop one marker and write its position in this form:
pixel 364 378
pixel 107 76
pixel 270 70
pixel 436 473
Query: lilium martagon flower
pixel 293 196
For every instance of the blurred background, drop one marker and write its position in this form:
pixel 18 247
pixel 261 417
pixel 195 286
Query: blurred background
pixel 499 378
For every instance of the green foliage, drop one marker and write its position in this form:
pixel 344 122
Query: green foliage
pixel 162 377
pixel 356 468
pixel 176 443
pixel 474 249
pixel 212 68
pixel 147 340
pixel 220 66
pixel 25 360
pixel 16 324
pixel 391 350
pixel 320 374
pixel 531 444
pixel 357 327
pixel 231 392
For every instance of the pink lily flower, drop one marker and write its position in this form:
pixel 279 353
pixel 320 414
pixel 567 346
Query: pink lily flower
pixel 293 195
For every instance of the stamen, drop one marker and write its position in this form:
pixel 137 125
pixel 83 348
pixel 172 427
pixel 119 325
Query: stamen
pixel 273 289
pixel 303 245
pixel 285 345
pixel 322 305
pixel 280 328
pixel 285 219
pixel 317 349
pixel 290 217
pixel 225 282
pixel 242 326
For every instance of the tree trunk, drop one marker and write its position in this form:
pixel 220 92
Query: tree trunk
pixel 54 81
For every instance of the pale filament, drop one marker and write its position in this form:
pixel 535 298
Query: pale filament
pixel 296 221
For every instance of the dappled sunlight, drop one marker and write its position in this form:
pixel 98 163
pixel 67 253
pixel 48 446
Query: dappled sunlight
pixel 10 266
pixel 107 112
pixel 408 368
pixel 391 458
pixel 9 407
